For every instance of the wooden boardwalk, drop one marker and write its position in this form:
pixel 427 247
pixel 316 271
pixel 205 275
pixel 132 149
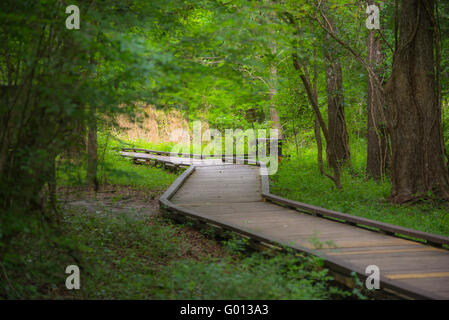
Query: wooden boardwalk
pixel 233 196
pixel 172 159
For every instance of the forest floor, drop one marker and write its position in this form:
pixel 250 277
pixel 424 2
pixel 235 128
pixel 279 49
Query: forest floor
pixel 130 250
pixel 114 201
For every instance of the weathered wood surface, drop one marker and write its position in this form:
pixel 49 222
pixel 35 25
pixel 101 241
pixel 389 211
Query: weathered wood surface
pixel 234 196
pixel 231 194
pixel 171 159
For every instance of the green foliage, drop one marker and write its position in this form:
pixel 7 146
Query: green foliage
pixel 300 180
pixel 51 76
pixel 236 244
pixel 126 258
pixel 255 277
pixel 115 169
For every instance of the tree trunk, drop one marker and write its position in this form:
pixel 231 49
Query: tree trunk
pixel 338 135
pixel 52 183
pixel 92 157
pixel 274 113
pixel 276 120
pixel 79 142
pixel 319 145
pixel 312 95
pixel 378 153
pixel 313 99
pixel 414 114
pixel 295 133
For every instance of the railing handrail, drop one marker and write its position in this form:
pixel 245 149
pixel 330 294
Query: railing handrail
pixel 190 155
pixel 390 229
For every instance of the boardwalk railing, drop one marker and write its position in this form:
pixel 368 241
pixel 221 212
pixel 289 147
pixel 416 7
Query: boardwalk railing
pixel 189 155
pixel 386 228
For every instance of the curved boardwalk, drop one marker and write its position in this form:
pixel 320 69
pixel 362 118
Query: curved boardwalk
pixel 230 196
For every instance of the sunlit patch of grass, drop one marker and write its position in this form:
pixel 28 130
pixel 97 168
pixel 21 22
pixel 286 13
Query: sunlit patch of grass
pixel 114 169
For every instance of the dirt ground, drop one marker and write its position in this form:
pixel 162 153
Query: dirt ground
pixel 113 200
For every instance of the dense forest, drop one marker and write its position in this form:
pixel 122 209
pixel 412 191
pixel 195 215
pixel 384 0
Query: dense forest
pixel 357 89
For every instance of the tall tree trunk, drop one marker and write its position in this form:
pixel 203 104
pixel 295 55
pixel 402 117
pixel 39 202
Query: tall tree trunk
pixel 378 152
pixel 79 142
pixel 274 113
pixel 418 164
pixel 295 134
pixel 276 120
pixel 338 135
pixel 312 95
pixel 319 145
pixel 313 99
pixel 92 157
pixel 52 183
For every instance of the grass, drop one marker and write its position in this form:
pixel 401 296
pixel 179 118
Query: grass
pixel 114 169
pixel 300 180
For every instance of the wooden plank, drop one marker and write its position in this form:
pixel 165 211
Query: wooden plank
pixel 382 251
pixel 404 263
pixel 418 275
pixel 256 208
pixel 438 286
pixel 345 244
pixel 218 190
pixel 175 186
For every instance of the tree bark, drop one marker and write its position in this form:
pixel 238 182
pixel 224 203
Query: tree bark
pixel 313 99
pixel 92 156
pixel 378 152
pixel 338 135
pixel 319 145
pixel 276 120
pixel 274 113
pixel 312 95
pixel 414 114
